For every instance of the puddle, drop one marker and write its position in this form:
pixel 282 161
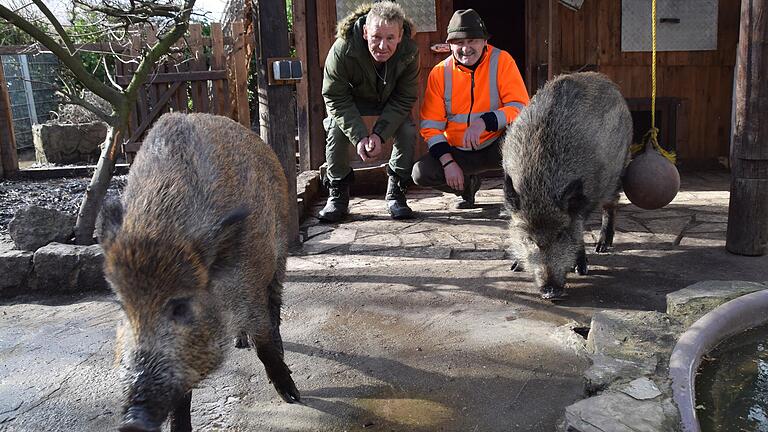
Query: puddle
pixel 408 411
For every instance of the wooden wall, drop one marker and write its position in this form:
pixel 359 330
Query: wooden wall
pixel 591 39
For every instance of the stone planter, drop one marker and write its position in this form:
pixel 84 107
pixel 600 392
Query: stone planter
pixel 69 143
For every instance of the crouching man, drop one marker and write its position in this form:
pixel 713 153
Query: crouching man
pixel 470 99
pixel 371 70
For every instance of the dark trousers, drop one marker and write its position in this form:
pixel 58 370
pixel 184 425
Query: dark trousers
pixel 428 171
pixel 337 150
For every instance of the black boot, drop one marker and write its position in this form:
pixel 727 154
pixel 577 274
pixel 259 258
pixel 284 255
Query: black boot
pixel 396 204
pixel 338 199
pixel 471 186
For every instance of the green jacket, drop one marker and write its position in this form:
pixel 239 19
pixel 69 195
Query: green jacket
pixel 352 89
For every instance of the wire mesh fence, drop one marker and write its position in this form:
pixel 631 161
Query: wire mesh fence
pixel 31 81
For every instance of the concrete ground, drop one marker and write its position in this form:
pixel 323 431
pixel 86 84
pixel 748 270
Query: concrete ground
pixel 391 325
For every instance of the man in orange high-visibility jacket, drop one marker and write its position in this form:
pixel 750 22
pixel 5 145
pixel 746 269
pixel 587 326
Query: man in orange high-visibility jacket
pixel 470 99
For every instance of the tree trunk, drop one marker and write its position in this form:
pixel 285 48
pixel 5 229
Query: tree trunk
pixel 97 189
pixel 9 162
pixel 748 210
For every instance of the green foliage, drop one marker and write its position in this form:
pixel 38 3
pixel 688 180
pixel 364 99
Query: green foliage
pixel 85 28
pixel 11 35
pixel 289 14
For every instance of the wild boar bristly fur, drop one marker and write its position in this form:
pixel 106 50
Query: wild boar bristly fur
pixel 563 157
pixel 196 253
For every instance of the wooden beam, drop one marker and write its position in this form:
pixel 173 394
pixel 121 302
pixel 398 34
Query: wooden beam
pixel 277 117
pixel 218 61
pixel 748 209
pixel 309 101
pixel 240 71
pixel 9 161
pixel 553 57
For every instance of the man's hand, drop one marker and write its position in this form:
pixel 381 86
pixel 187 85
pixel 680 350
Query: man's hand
pixel 362 149
pixel 375 146
pixel 369 148
pixel 472 134
pixel 454 175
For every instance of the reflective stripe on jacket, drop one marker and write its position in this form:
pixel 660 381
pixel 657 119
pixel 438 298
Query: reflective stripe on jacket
pixel 456 95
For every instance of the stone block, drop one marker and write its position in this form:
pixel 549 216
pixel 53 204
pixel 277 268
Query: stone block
pixel 691 303
pixel 322 243
pixel 69 268
pixel 35 227
pixel 618 412
pixel 607 370
pixel 307 192
pixel 639 336
pixel 375 242
pixel 642 389
pixel 68 143
pixel 15 268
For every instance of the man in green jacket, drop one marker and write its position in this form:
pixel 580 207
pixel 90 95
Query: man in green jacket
pixel 371 70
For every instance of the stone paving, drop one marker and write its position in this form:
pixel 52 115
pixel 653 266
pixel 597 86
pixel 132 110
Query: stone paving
pixel 392 325
pixel 697 216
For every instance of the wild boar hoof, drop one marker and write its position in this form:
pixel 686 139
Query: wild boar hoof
pixel 552 293
pixel 581 269
pixel 602 247
pixel 288 391
pixel 137 426
pixel 516 266
pixel 241 341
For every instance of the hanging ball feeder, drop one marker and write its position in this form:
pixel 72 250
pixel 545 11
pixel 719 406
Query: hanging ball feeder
pixel 651 181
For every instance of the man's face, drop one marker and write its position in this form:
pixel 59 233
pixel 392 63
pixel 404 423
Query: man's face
pixel 382 37
pixel 467 51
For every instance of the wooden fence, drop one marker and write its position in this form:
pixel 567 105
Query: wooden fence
pixel 207 74
pixel 204 74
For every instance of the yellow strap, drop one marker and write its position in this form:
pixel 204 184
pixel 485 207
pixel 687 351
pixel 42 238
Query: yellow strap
pixel 652 135
pixel 653 68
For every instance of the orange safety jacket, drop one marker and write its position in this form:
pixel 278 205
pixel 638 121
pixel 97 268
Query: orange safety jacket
pixel 456 95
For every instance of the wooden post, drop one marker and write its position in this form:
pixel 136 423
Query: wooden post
pixel 9 161
pixel 276 112
pixel 748 210
pixel 239 68
pixel 309 99
pixel 218 62
pixel 553 57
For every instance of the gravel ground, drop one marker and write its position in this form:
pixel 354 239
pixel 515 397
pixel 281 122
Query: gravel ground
pixel 64 194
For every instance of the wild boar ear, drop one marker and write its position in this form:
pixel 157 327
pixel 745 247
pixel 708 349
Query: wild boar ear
pixel 510 194
pixel 111 221
pixel 227 236
pixel 573 199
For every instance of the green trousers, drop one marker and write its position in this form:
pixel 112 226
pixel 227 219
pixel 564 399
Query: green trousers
pixel 337 150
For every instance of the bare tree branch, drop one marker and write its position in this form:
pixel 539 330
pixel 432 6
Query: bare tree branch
pixel 56 24
pixel 73 63
pixel 73 98
pixel 109 75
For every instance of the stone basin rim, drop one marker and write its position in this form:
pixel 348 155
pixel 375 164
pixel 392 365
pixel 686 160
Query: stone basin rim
pixel 721 323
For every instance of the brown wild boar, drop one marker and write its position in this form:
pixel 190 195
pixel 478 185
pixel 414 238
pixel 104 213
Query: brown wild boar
pixel 196 253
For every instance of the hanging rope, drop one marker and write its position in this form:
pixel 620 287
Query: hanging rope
pixel 651 137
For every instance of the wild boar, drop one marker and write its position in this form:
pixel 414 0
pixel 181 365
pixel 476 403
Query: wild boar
pixel 196 253
pixel 563 156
